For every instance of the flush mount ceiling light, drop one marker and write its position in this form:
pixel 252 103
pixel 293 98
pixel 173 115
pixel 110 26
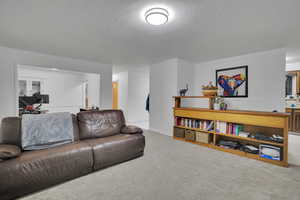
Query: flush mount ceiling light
pixel 157 16
pixel 54 69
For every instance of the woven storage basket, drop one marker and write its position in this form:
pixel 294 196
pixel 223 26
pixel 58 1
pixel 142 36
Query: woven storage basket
pixel 190 135
pixel 203 137
pixel 179 132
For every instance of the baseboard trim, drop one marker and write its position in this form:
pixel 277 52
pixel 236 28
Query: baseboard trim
pixel 158 131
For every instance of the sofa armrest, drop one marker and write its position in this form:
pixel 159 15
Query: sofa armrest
pixel 9 151
pixel 131 130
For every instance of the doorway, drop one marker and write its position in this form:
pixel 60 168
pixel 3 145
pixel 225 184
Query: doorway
pixel 48 90
pixel 115 87
pixel 130 91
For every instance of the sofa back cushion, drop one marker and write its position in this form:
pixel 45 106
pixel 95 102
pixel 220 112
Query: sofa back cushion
pixel 97 124
pixel 11 130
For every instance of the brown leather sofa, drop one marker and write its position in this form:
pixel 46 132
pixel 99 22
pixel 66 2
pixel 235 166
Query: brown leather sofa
pixel 101 139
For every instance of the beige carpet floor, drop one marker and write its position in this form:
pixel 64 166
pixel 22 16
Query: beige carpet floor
pixel 175 170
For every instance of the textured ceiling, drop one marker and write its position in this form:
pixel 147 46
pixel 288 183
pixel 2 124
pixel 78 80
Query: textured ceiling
pixel 111 31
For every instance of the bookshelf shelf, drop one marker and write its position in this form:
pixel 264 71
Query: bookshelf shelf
pixel 193 97
pixel 236 152
pixel 193 142
pixel 249 155
pixel 250 139
pixel 195 129
pixel 266 123
pixel 233 136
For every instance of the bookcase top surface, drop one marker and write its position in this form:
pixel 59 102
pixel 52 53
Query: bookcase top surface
pixel 247 112
pixel 193 97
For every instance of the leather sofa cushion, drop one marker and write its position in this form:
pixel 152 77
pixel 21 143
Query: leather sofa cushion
pixel 115 149
pixel 131 130
pixel 11 130
pixel 9 151
pixel 35 170
pixel 75 127
pixel 97 124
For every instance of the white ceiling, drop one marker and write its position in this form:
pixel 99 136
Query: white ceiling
pixel 111 31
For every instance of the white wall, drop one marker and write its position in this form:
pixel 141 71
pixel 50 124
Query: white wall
pixel 293 67
pixel 266 74
pixel 163 85
pixel 123 92
pixel 266 79
pixel 94 88
pixel 65 88
pixel 186 75
pixel 10 58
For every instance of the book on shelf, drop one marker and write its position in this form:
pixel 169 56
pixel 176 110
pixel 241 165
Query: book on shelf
pixel 206 125
pixel 228 128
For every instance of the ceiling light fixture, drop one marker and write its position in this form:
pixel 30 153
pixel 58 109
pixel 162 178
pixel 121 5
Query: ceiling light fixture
pixel 54 69
pixel 157 16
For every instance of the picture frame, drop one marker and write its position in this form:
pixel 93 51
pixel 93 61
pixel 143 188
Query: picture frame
pixel 232 82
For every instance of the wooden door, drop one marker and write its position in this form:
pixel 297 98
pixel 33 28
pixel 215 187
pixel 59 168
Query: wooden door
pixel 115 88
pixel 297 74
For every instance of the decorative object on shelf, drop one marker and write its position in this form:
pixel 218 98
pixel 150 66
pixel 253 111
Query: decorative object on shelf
pixel 209 90
pixel 218 101
pixel 220 104
pixel 182 92
pixel 216 106
pixel 223 106
pixel 232 82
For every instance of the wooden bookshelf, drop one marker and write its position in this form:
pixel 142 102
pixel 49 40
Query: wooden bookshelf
pixel 267 123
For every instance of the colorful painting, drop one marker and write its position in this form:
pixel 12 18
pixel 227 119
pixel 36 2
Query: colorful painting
pixel 232 82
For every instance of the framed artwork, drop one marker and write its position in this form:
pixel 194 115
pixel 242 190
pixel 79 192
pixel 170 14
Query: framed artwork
pixel 232 82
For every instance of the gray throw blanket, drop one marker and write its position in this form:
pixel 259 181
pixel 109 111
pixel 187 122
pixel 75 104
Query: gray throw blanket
pixel 46 130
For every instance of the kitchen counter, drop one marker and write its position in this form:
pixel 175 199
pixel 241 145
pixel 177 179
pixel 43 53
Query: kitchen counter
pixel 295 108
